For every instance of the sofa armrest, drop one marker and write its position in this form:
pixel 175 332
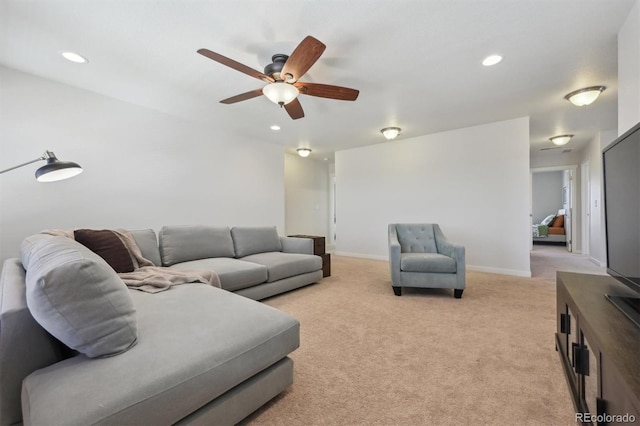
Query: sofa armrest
pixel 450 249
pixel 394 256
pixel 443 245
pixel 297 245
pixel 459 256
pixel 456 251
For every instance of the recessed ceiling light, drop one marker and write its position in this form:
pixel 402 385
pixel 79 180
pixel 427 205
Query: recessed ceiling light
pixel 74 57
pixel 491 60
pixel 275 127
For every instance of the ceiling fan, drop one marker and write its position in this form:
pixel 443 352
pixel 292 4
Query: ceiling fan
pixel 283 77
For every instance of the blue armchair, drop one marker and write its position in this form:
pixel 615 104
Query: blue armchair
pixel 421 256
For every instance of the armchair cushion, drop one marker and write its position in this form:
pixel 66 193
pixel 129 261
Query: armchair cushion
pixel 416 238
pixel 427 262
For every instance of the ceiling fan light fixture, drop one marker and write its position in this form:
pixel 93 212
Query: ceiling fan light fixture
pixel 390 133
pixel 561 139
pixel 586 96
pixel 280 93
pixel 304 152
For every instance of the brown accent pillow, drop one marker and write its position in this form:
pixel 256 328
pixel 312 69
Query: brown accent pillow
pixel 558 222
pixel 556 231
pixel 107 245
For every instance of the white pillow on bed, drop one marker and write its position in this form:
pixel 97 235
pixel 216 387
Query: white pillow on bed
pixel 547 220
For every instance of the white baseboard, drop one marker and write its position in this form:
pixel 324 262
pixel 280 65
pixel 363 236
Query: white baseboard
pixel 361 255
pixel 597 262
pixel 500 271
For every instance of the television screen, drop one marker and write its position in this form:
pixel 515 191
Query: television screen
pixel 621 165
pixel 622 207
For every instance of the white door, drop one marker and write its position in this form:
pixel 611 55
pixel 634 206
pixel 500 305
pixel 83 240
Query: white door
pixel 566 205
pixel 530 208
pixel 586 207
pixel 332 211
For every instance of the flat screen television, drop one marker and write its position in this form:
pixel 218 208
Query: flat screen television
pixel 621 166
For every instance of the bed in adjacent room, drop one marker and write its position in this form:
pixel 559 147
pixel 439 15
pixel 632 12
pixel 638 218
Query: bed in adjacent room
pixel 550 230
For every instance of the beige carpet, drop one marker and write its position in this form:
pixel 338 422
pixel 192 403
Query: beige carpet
pixel 368 357
pixel 547 259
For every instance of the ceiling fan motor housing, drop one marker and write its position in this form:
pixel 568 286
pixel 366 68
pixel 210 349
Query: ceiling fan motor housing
pixel 282 78
pixel 273 69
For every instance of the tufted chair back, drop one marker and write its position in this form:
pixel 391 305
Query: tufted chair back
pixel 417 238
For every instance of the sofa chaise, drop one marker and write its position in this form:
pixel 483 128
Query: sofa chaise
pixel 193 354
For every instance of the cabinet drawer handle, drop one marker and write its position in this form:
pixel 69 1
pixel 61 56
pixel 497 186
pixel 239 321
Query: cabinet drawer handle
pixel 565 324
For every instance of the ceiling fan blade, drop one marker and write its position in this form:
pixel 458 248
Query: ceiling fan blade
pixel 303 57
pixel 235 65
pixel 242 97
pixel 294 109
pixel 327 91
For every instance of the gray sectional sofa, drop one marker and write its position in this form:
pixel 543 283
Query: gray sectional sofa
pixel 193 354
pixel 253 262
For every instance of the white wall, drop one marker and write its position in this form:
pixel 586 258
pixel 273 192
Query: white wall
pixel 306 196
pixel 593 154
pixel 553 159
pixel 547 194
pixel 474 182
pixel 142 168
pixel 629 71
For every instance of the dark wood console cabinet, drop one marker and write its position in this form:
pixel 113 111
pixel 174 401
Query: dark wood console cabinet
pixel 319 250
pixel 599 349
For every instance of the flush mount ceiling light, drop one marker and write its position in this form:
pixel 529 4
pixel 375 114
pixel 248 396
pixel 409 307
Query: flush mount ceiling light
pixel 74 57
pixel 275 127
pixel 561 139
pixel 304 152
pixel 280 93
pixel 390 133
pixel 491 60
pixel 584 96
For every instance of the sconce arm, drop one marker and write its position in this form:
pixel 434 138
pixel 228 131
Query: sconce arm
pixel 44 157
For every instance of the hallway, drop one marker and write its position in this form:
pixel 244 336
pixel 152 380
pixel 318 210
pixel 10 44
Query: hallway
pixel 547 259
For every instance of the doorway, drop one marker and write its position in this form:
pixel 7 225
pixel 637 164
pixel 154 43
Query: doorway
pixel 563 186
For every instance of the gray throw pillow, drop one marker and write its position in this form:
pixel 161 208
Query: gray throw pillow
pixel 192 242
pixel 78 298
pixel 252 240
pixel 148 244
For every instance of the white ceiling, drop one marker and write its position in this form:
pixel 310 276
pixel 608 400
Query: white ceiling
pixel 417 63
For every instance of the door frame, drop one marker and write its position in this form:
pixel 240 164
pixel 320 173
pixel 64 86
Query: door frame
pixel 585 184
pixel 331 243
pixel 571 246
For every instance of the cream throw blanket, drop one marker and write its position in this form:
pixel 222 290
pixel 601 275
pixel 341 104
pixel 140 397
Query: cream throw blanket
pixel 146 276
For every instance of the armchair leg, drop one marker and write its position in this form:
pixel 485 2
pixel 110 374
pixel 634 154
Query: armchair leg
pixel 397 290
pixel 457 293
